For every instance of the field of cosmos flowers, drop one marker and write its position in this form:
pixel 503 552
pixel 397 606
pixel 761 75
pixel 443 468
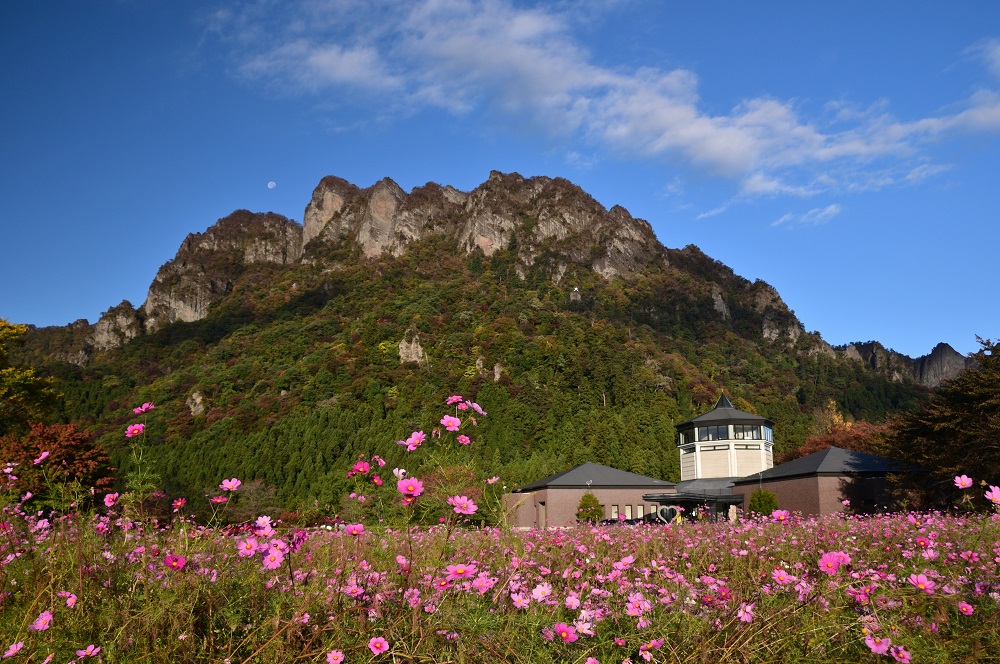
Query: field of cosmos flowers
pixel 115 584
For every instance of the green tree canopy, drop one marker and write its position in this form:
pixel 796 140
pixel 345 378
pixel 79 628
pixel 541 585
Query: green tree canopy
pixel 956 432
pixel 24 395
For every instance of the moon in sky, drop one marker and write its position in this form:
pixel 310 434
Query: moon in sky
pixel 272 184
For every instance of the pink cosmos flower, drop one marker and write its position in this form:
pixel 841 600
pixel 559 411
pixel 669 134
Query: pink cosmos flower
pixel 451 423
pixel 460 571
pixel 247 547
pixel 109 500
pixel 13 649
pixel 273 559
pixel 745 612
pixel 230 485
pixel 963 481
pixel 41 457
pixel 493 480
pixel 134 430
pixel 410 487
pixel 70 598
pixel 780 515
pixel 361 467
pixel 453 399
pixel 921 582
pixel 462 505
pixel 89 651
pixel 877 645
pixel 354 529
pixel 565 632
pixel 144 408
pixel 831 561
pixel 178 504
pixel 463 439
pixel 993 495
pixel 900 654
pixel 174 561
pixel 42 622
pixel 592 660
pixel 218 500
pixel 335 657
pixel 48 659
pixel 965 608
pixel 378 645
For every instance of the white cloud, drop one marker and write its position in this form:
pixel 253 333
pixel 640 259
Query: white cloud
pixel 525 64
pixel 814 217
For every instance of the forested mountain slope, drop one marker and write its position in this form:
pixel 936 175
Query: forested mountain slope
pixel 279 353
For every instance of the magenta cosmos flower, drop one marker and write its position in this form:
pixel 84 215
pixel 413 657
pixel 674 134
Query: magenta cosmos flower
pixel 410 486
pixel 921 582
pixel 354 529
pixel 565 632
pixel 179 503
pixel 335 657
pixel 110 499
pixel 454 399
pixel 41 457
pixel 463 439
pixel 451 423
pixel 134 430
pixel 144 408
pixel 230 485
pixel 877 645
pixel 963 481
pixel 378 645
pixel 13 649
pixel 965 608
pixel 174 561
pixel 780 515
pixel 462 505
pixel 831 561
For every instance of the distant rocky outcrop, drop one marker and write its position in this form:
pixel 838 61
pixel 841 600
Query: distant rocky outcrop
pixel 943 363
pixel 207 264
pixel 116 326
pixel 530 215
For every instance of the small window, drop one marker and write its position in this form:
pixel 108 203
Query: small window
pixel 614 511
pixel 639 511
pixel 628 511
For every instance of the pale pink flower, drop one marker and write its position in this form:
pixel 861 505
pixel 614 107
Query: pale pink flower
pixel 780 515
pixel 493 480
pixel 400 473
pixel 89 651
pixel 993 495
pixel 41 457
pixel 451 423
pixel 378 645
pixel 247 547
pixel 230 485
pixel 42 622
pixel 745 612
pixel 13 649
pixel 963 481
pixel 134 430
pixel 144 408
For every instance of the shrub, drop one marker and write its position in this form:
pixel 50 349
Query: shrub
pixel 763 502
pixel 590 509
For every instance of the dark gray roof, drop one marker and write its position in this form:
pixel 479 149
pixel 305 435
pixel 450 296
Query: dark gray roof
pixel 707 485
pixel 831 461
pixel 724 413
pixel 599 477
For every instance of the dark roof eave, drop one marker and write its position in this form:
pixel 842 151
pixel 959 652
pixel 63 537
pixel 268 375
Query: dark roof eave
pixel 530 489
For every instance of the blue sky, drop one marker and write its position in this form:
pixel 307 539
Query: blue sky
pixel 845 152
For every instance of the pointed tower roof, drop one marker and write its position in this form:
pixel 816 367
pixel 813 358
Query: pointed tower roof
pixel 725 413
